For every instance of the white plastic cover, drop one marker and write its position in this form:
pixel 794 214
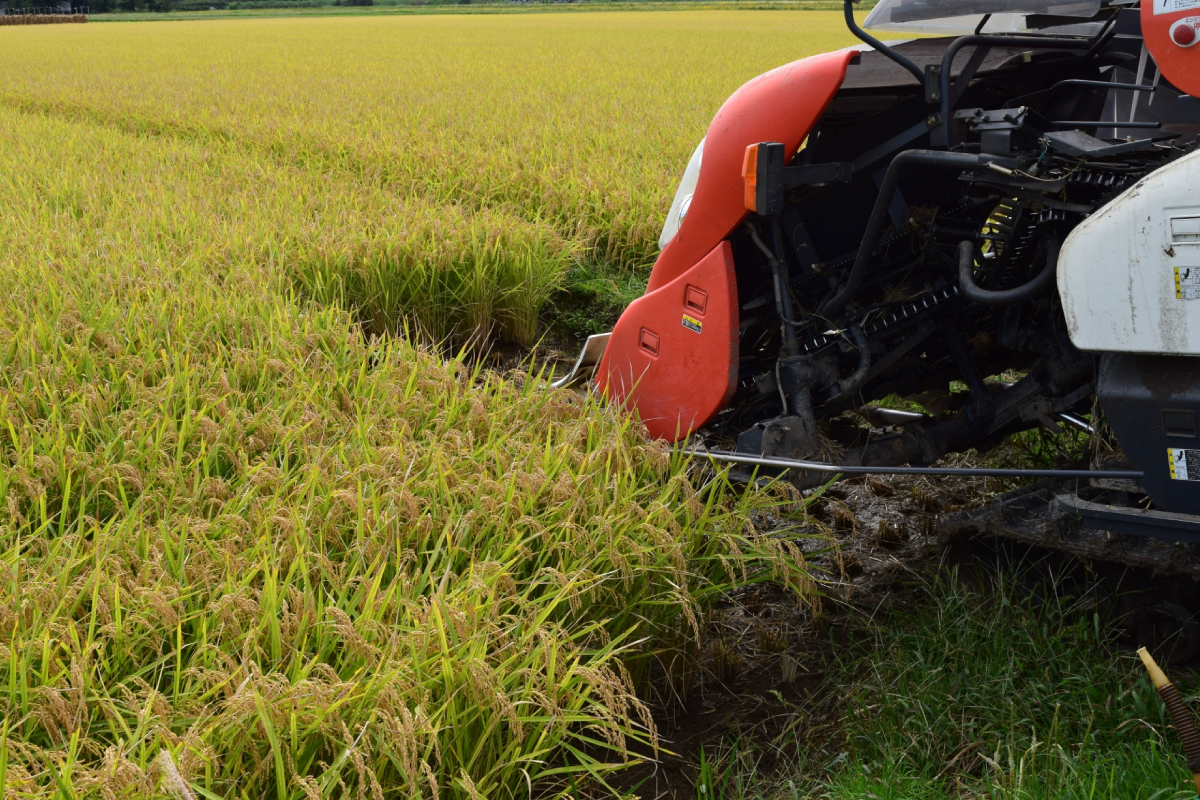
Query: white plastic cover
pixel 1129 274
pixel 683 197
pixel 957 17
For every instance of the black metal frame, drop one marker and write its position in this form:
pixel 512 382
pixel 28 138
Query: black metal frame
pixel 807 345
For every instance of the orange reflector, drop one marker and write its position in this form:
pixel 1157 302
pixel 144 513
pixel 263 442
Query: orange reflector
pixel 750 174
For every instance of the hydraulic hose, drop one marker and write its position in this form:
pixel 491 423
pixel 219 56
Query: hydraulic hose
pixel 976 294
pixel 1184 724
pixel 866 248
pixel 783 306
pixel 783 301
pixel 852 384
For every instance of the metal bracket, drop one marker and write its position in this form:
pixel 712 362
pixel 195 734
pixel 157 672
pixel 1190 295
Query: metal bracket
pixel 893 144
pixel 933 84
pixel 773 178
pixel 1140 522
pixel 1049 411
pixel 1042 411
pixel 589 358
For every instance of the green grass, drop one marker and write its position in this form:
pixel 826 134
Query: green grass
pixel 988 694
pixel 593 299
pixel 1012 699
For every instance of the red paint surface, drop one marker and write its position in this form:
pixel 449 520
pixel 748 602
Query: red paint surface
pixel 1179 64
pixel 778 106
pixel 675 377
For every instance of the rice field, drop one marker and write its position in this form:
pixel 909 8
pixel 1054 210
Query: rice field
pixel 416 168
pixel 257 540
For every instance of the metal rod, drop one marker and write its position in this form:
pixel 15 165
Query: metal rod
pixel 816 466
pixel 1132 87
pixel 1141 73
pixel 880 46
pixel 1030 42
pixel 1075 422
pixel 1108 123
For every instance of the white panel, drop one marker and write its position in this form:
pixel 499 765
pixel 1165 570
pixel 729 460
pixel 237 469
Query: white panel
pixel 1172 6
pixel 1129 275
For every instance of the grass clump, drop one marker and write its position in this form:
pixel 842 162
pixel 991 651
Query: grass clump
pixel 1016 691
pixel 1012 692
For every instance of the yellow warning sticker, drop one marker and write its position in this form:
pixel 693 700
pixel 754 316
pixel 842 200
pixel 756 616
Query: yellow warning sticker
pixel 1187 283
pixel 1185 464
pixel 692 324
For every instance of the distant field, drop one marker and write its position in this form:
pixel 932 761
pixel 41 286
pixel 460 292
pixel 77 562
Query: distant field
pixel 443 171
pixel 241 523
pixel 242 9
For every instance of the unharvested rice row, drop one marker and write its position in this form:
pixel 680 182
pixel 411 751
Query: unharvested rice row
pixel 304 558
pixel 233 529
pixel 580 121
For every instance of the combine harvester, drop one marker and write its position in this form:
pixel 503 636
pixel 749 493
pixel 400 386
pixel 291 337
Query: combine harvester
pixel 1020 195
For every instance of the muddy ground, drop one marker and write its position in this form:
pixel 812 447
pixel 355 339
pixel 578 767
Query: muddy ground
pixel 872 542
pixel 875 542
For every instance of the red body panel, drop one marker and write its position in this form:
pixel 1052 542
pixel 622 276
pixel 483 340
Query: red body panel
pixel 1172 37
pixel 675 376
pixel 778 106
pixel 673 353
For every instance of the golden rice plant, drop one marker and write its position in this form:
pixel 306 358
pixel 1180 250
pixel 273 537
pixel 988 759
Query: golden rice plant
pixel 582 121
pixel 302 559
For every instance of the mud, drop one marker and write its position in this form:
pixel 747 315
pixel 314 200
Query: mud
pixel 873 542
pixel 759 678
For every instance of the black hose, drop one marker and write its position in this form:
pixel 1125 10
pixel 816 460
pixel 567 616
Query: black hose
pixel 880 46
pixel 866 248
pixel 976 294
pixel 852 384
pixel 783 305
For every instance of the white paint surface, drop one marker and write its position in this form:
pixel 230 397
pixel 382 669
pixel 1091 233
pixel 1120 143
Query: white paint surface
pixel 1116 271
